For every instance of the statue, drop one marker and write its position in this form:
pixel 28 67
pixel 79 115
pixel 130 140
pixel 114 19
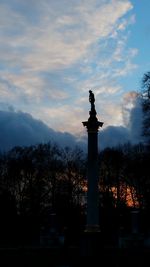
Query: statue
pixel 91 97
pixel 92 100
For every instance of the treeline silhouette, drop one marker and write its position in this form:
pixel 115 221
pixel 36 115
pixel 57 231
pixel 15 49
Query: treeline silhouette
pixel 40 181
pixel 35 182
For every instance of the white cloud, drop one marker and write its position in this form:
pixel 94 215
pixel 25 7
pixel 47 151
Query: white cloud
pixel 128 68
pixel 54 51
pixel 62 118
pixel 61 36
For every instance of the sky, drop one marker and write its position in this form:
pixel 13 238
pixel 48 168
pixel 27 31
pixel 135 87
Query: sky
pixel 52 52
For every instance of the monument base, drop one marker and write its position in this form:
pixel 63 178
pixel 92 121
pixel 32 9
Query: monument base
pixel 92 229
pixel 91 242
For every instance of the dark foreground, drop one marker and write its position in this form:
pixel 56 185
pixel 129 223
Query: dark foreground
pixel 72 256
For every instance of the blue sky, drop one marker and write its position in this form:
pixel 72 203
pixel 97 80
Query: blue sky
pixel 53 51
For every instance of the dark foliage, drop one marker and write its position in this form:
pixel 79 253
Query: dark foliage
pixel 43 186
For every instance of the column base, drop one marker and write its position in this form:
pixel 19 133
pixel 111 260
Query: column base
pixel 92 229
pixel 91 242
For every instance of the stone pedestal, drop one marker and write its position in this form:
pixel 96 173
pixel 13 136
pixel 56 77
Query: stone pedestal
pixel 91 244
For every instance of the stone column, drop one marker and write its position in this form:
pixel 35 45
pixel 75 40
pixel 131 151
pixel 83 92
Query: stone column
pixel 92 126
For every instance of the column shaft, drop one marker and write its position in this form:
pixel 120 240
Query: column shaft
pixel 92 194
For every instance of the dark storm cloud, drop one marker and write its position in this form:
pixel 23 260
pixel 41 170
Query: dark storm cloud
pixel 21 129
pixel 113 136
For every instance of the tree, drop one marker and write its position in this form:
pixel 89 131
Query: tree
pixel 146 106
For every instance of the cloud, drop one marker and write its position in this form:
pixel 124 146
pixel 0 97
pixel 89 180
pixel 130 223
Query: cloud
pixel 63 117
pixel 21 129
pixel 53 51
pixel 129 102
pixel 113 136
pixel 133 116
pixel 60 36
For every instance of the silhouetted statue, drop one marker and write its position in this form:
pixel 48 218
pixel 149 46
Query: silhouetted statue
pixel 91 97
pixel 92 100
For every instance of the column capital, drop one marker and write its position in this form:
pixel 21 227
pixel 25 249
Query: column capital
pixel 92 124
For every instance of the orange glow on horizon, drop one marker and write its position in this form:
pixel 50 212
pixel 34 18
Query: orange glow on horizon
pixel 127 194
pixel 130 196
